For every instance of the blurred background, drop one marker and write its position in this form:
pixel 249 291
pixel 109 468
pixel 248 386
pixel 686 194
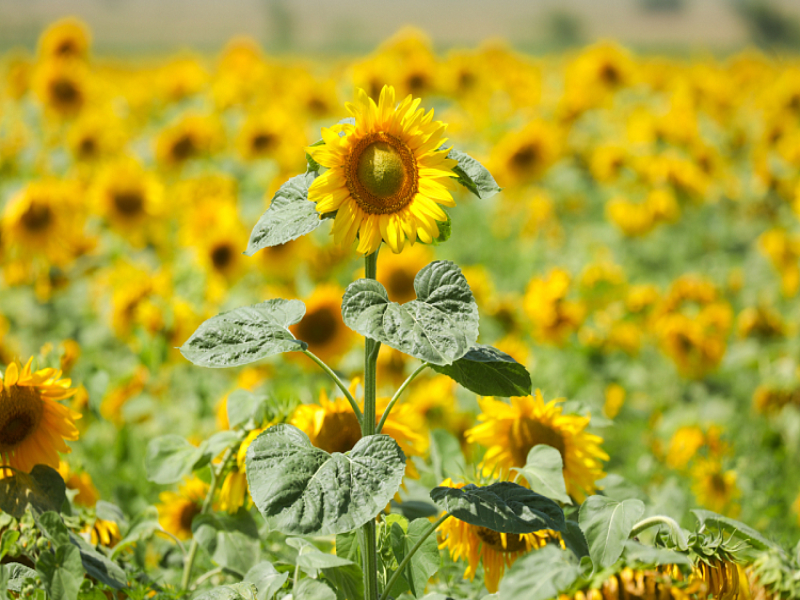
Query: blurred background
pixel 356 26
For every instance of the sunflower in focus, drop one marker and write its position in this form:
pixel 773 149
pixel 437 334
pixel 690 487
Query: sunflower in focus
pixel 386 176
pixel 509 431
pixel 177 510
pixel 322 327
pixel 33 424
pixel 494 550
pixel 66 38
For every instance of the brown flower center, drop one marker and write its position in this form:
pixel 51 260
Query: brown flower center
pixel 129 202
pixel 610 74
pixel 381 174
pixel 67 48
pixel 183 148
pixel 400 285
pixel 262 142
pixel 65 91
pixel 493 539
pixel 21 410
pixel 526 157
pixel 88 147
pixel 37 217
pixel 188 512
pixel 319 326
pixel 527 433
pixel 339 432
pixel 222 256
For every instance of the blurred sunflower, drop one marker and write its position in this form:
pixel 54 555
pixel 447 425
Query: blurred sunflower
pixel 715 488
pixel 80 481
pixel 509 431
pixel 553 316
pixel 322 327
pixel 191 137
pixel 66 38
pixel 479 545
pixel 33 424
pixel 62 86
pixel 522 156
pixel 233 492
pixel 272 134
pixel 177 510
pixel 95 135
pixel 386 176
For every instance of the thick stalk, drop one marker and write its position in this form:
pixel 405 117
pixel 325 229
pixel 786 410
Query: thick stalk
pixel 677 533
pixel 397 394
pixel 407 559
pixel 338 382
pixel 371 347
pixel 209 500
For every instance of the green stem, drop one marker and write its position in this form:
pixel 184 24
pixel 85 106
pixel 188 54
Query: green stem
pixel 397 394
pixel 677 533
pixel 209 500
pixel 371 348
pixel 407 558
pixel 338 382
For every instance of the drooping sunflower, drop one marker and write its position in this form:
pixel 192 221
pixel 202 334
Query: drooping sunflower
pixel 33 424
pixel 479 545
pixel 386 176
pixel 322 327
pixel 509 431
pixel 177 510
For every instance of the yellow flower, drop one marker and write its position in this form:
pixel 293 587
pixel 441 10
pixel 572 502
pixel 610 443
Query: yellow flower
pixel 783 251
pixel 523 156
pixel 62 86
pixel 725 579
pixel 66 38
pixel 272 134
pixel 479 545
pixel 386 176
pixel 509 431
pixel 95 135
pixel 105 533
pixel 177 510
pixel 760 321
pixel 33 423
pixel 553 316
pixel 82 482
pixel 322 327
pixel 615 399
pixel 667 583
pixel 684 445
pixel 767 399
pixel 715 488
pixel 233 492
pixel 191 137
pixel 332 426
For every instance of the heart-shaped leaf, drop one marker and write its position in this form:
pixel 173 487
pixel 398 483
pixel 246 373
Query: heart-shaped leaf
pixel 473 175
pixel 607 524
pixel 439 327
pixel 289 216
pixel 230 540
pixel 502 506
pixel 303 490
pixel 544 471
pixel 488 372
pixel 247 334
pixel 267 579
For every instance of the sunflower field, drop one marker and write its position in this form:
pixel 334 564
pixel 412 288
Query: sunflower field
pixel 458 325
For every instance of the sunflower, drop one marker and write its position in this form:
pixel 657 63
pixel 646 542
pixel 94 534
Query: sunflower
pixel 523 156
pixel 191 137
pixel 725 579
pixel 714 487
pixel 105 533
pixel 33 424
pixel 332 426
pixel 80 481
pixel 177 510
pixel 129 198
pixel 322 327
pixel 479 545
pixel 272 134
pixel 553 316
pixel 95 135
pixel 233 493
pixel 386 176
pixel 397 272
pixel 62 86
pixel 664 583
pixel 66 38
pixel 509 431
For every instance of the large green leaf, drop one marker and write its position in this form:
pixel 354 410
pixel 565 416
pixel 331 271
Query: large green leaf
pixel 42 488
pixel 311 589
pixel 574 539
pixel 502 506
pixel 439 327
pixel 244 406
pixel 247 334
pixel 540 575
pixel 303 490
pixel 734 527
pixel 98 565
pixel 488 372
pixel 230 540
pixel 267 579
pixel 289 216
pixel 544 471
pixel 347 580
pixel 473 175
pixel 170 458
pixel 424 563
pixel 607 524
pixel 236 591
pixel 311 559
pixel 61 572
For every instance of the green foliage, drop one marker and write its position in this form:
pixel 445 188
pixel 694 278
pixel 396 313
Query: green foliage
pixel 303 490
pixel 311 589
pixel 230 540
pixel 574 539
pixel 473 175
pixel 289 216
pixel 735 528
pixel 61 572
pixel 247 334
pixel 245 407
pixel 439 327
pixel 42 489
pixel 607 524
pixel 237 591
pixel 653 556
pixel 539 575
pixel 424 562
pixel 503 506
pixel 544 471
pixel 142 528
pixel 488 372
pixel 267 579
pixel 170 458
